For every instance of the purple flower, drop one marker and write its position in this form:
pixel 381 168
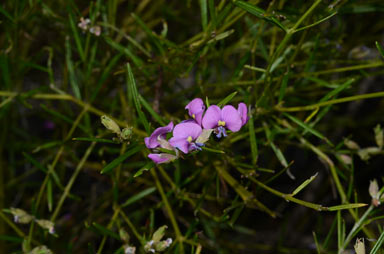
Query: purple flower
pixel 243 111
pixel 159 158
pixel 226 118
pixel 158 139
pixel 196 109
pixel 184 135
pixel 158 136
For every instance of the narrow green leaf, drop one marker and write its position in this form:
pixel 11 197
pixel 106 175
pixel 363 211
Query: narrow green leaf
pixel 283 86
pixel 381 50
pixel 155 116
pixel 378 244
pixel 307 128
pixel 304 184
pixel 126 51
pixel 146 167
pixel 347 206
pixel 49 195
pixel 337 90
pixel 13 239
pixel 221 36
pixel 6 14
pixel 105 231
pixel 71 69
pixel 97 140
pixel 204 14
pixel 60 116
pixel 226 99
pixel 76 36
pixel 135 95
pixel 150 34
pixel 260 13
pixel 121 158
pixel 212 13
pixel 139 196
pixel 212 150
pixel 252 140
pixel 104 76
pixel 42 168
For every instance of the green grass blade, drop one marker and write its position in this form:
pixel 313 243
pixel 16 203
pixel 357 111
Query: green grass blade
pixel 97 140
pixel 304 184
pixel 252 140
pixel 105 231
pixel 121 158
pixel 204 13
pixel 381 50
pixel 307 128
pixel 49 195
pixel 135 95
pixel 104 76
pixel 260 13
pixel 146 167
pixel 126 51
pixel 71 69
pixel 378 244
pixel 138 196
pixel 226 99
pixel 76 36
pixel 347 206
pixel 155 116
pixel 337 90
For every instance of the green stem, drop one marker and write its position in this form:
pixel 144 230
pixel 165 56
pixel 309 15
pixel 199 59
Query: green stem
pixel 330 102
pixel 282 45
pixel 357 225
pixel 71 181
pixel 132 227
pixel 179 236
pixel 99 251
pixel 74 100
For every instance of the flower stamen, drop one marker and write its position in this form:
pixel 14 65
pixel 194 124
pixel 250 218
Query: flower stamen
pixel 221 123
pixel 189 139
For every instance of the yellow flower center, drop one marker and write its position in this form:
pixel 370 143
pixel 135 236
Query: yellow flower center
pixel 189 139
pixel 193 116
pixel 221 123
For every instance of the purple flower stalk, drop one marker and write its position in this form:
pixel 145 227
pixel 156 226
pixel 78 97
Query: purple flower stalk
pixel 196 109
pixel 226 118
pixel 184 136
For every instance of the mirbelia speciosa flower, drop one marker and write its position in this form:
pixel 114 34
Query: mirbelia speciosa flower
pixel 226 118
pixel 196 109
pixel 157 141
pixel 185 135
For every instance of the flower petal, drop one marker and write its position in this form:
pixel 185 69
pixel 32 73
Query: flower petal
pixel 152 141
pixel 181 143
pixel 211 117
pixel 159 158
pixel 231 118
pixel 187 129
pixel 196 109
pixel 243 111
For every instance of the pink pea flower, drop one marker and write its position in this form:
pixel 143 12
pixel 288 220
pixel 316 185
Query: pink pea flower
pixel 158 136
pixel 226 118
pixel 158 139
pixel 196 109
pixel 184 136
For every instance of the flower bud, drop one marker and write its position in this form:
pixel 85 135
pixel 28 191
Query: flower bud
pixel 159 233
pixel 21 216
pixel 110 124
pixel 46 224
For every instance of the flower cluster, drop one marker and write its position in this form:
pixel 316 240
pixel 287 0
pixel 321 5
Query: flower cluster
pixel 191 135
